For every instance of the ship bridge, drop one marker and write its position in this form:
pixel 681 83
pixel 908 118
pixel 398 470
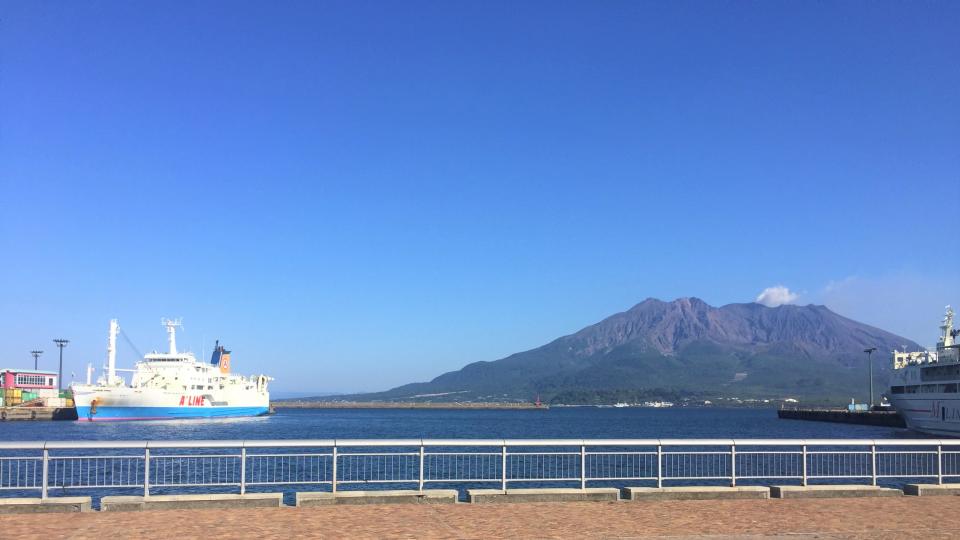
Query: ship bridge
pixel 167 357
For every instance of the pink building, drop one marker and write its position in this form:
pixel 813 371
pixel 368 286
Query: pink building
pixel 30 380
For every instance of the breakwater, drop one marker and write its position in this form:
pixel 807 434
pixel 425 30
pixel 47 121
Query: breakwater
pixel 300 404
pixel 843 416
pixel 9 414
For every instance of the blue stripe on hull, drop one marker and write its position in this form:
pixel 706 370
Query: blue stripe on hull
pixel 165 413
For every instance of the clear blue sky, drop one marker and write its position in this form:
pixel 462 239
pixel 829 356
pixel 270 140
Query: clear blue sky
pixel 356 195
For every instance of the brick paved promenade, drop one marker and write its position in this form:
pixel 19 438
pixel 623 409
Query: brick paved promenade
pixel 903 517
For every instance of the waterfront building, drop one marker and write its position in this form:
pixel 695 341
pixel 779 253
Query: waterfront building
pixel 23 385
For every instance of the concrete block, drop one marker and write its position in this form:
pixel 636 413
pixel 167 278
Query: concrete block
pixel 927 490
pixel 543 495
pixel 427 496
pixel 176 502
pixel 50 504
pixel 689 493
pixel 121 503
pixel 815 492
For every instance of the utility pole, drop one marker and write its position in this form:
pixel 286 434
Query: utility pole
pixel 36 358
pixel 61 343
pixel 870 362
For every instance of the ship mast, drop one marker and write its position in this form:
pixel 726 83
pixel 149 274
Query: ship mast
pixel 171 332
pixel 112 352
pixel 946 329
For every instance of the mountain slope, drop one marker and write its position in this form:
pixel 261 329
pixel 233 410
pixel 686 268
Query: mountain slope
pixel 684 347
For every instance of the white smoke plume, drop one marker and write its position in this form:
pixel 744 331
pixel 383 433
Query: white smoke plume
pixel 777 296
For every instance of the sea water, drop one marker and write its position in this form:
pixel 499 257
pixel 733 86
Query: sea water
pixel 553 423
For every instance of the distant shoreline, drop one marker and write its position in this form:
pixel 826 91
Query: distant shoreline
pixel 313 404
pixel 520 405
pixel 298 404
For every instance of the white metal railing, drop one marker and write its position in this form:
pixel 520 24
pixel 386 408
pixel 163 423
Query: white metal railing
pixel 239 464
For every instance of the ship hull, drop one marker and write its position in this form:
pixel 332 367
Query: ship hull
pixel 96 404
pixel 930 413
pixel 107 414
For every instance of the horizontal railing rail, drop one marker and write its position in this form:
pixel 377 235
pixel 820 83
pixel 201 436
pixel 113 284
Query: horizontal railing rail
pixel 29 466
pixel 306 443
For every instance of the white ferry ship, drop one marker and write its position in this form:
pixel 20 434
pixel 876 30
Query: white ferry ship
pixel 170 385
pixel 924 384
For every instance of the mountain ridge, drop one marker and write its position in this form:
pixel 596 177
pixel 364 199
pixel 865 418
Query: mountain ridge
pixel 682 347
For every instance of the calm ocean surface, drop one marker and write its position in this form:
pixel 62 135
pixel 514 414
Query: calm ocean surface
pixel 559 422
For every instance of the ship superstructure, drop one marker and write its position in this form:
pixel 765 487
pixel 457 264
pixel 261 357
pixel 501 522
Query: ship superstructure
pixel 924 385
pixel 171 385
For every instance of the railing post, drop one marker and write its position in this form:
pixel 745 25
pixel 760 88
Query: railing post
pixel 146 472
pixel 243 470
pixel 939 464
pixel 421 466
pixel 583 466
pixel 334 470
pixel 803 451
pixel 503 468
pixel 46 468
pixel 659 466
pixel 873 464
pixel 733 465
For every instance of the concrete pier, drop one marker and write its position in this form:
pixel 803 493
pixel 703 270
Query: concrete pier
pixel 9 414
pixel 843 416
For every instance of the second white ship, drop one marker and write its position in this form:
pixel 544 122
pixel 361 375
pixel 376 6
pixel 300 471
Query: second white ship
pixel 924 385
pixel 171 385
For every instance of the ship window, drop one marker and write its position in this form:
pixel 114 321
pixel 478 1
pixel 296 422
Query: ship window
pixel 896 389
pixel 209 388
pixel 913 389
pixel 952 388
pixel 929 388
